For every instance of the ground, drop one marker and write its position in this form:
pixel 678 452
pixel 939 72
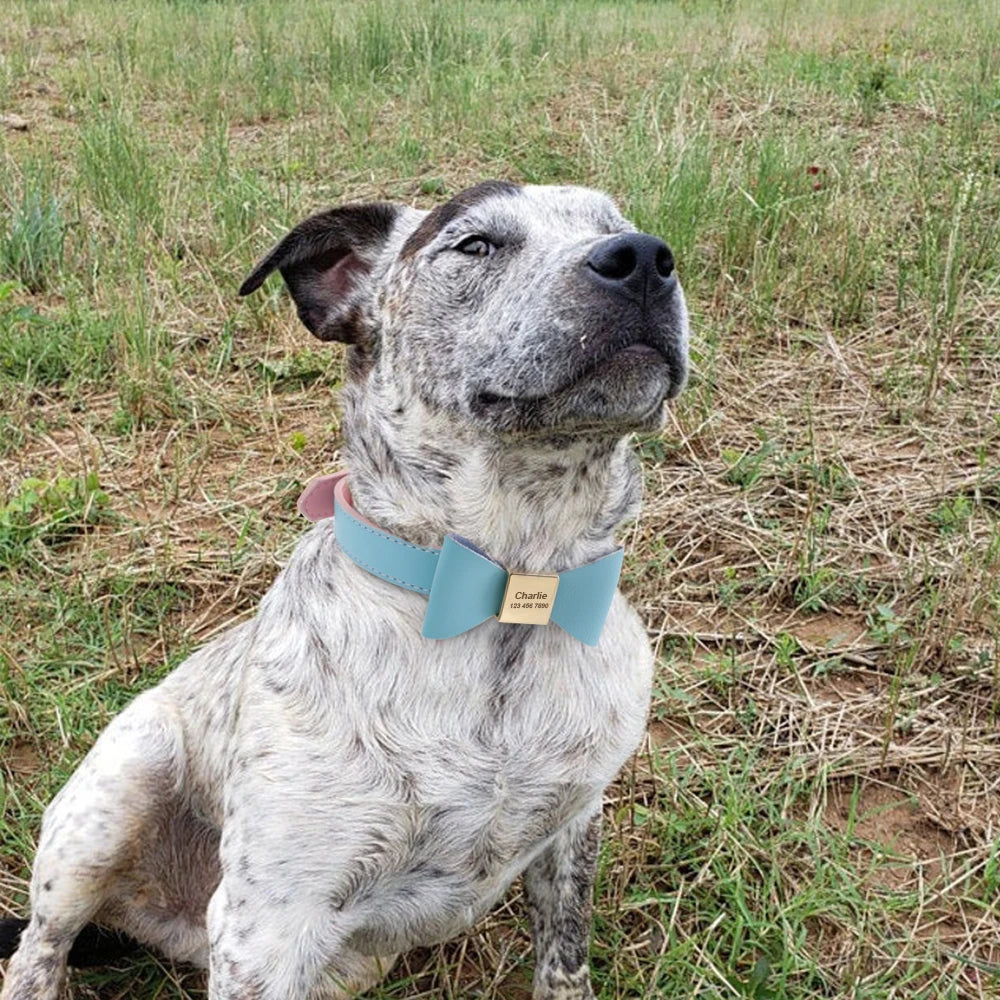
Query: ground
pixel 816 810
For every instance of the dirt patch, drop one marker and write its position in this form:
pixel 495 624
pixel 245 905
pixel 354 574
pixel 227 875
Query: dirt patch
pixel 848 687
pixel 895 825
pixel 829 631
pixel 669 734
pixel 22 760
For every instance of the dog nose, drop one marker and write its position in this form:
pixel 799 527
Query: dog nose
pixel 635 264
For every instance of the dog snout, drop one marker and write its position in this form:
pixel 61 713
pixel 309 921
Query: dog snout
pixel 635 265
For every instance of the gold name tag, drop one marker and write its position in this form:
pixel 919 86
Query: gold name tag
pixel 528 599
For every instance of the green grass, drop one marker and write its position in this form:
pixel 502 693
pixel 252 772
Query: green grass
pixel 817 560
pixel 32 248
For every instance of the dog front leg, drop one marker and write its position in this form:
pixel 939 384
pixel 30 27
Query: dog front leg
pixel 559 885
pixel 92 833
pixel 272 938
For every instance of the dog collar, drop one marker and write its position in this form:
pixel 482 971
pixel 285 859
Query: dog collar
pixel 464 586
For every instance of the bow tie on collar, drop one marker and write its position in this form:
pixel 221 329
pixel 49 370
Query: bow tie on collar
pixel 464 586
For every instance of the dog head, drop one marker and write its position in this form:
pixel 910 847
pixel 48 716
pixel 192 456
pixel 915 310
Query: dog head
pixel 518 310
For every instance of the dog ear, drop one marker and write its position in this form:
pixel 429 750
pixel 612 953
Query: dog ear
pixel 324 260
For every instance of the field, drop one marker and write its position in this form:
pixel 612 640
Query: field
pixel 816 812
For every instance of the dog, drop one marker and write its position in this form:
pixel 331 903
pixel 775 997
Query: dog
pixel 323 787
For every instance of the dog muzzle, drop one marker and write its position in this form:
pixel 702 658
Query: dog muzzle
pixel 463 585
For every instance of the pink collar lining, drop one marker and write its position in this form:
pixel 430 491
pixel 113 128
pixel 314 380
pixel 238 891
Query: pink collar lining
pixel 322 494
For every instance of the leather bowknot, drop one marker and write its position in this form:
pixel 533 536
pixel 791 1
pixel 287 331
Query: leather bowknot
pixel 464 586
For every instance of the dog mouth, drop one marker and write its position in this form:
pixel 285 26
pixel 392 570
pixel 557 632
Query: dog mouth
pixel 633 360
pixel 604 365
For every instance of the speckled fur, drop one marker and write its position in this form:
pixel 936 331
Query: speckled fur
pixel 321 788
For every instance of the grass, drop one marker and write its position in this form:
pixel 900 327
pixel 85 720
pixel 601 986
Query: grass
pixel 814 813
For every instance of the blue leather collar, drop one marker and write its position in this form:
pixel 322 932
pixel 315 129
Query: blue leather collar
pixel 464 586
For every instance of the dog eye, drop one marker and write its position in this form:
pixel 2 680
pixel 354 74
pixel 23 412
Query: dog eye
pixel 476 246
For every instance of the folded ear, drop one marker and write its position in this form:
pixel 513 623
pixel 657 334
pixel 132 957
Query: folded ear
pixel 324 261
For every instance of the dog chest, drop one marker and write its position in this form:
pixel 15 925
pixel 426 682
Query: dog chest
pixel 438 777
pixel 470 827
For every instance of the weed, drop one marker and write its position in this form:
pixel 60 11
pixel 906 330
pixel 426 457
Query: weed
pixel 952 516
pixel 50 512
pixel 752 466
